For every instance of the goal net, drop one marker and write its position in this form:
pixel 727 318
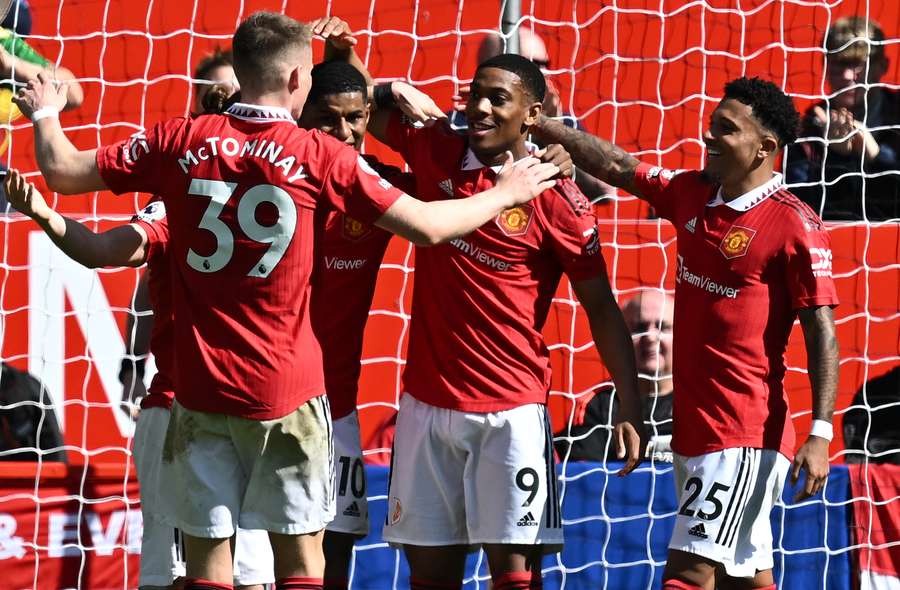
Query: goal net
pixel 645 74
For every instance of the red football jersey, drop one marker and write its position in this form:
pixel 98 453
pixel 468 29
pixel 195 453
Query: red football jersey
pixel 348 269
pixel 245 195
pixel 744 268
pixel 152 220
pixel 480 301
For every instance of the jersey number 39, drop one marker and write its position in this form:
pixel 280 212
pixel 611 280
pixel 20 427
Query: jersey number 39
pixel 278 236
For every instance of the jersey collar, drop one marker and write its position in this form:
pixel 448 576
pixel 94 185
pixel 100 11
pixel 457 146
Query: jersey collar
pixel 471 162
pixel 256 113
pixel 750 199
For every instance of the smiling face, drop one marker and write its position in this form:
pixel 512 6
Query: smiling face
pixel 499 112
pixel 344 116
pixel 736 143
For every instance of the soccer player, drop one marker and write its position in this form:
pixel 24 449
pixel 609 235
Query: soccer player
pixel 751 258
pixel 348 268
pixel 249 439
pixel 473 454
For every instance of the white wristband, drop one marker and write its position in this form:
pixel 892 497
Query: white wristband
pixel 43 113
pixel 822 429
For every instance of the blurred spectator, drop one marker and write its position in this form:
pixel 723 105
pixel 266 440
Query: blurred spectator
pixel 871 425
pixel 649 317
pixel 863 111
pixel 533 47
pixel 216 70
pixel 18 18
pixel 27 421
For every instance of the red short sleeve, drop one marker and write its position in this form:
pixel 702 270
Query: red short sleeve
pixel 422 146
pixel 152 219
pixel 572 232
pixel 667 189
pixel 809 266
pixel 353 187
pixel 138 164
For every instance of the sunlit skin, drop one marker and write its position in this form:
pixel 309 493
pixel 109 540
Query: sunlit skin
pixel 649 316
pixel 343 116
pixel 740 152
pixel 499 112
pixel 845 73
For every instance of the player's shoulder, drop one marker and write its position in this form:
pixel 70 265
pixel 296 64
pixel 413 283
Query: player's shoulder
pixel 565 196
pixel 793 212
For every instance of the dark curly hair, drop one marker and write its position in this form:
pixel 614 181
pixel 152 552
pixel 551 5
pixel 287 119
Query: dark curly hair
pixel 771 107
pixel 531 76
pixel 336 77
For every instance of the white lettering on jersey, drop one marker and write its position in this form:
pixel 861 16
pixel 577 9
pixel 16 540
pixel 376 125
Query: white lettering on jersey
pixel 136 147
pixel 683 275
pixel 231 148
pixel 335 263
pixel 479 255
pixel 822 266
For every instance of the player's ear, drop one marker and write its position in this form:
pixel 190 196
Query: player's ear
pixel 534 113
pixel 294 78
pixel 768 145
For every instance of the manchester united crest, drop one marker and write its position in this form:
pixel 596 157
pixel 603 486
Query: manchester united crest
pixel 515 221
pixel 355 230
pixel 736 241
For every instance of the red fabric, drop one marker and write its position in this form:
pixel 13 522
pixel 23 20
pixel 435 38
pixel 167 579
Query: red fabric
pixel 351 256
pixel 419 584
pixel 877 517
pixel 740 277
pixel 155 224
pixel 679 585
pixel 201 584
pixel 299 583
pixel 480 302
pixel 246 346
pixel 336 584
pixel 518 581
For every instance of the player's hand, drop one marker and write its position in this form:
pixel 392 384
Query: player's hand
pixel 23 197
pixel 557 154
pixel 628 444
pixel 525 179
pixel 6 63
pixel 415 104
pixel 335 31
pixel 40 92
pixel 461 98
pixel 813 459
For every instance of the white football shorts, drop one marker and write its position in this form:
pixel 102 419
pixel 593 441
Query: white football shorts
pixel 352 508
pixel 466 478
pixel 725 499
pixel 162 545
pixel 224 471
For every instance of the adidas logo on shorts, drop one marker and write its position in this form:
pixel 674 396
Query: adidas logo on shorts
pixel 447 186
pixel 527 520
pixel 352 510
pixel 698 531
pixel 691 225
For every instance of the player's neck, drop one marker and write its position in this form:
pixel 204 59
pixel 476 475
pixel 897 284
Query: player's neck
pixel 267 99
pixel 756 178
pixel 648 387
pixel 519 150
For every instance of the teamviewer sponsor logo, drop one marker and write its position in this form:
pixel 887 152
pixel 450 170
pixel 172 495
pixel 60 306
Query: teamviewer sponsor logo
pixel 698 531
pixel 527 520
pixel 683 275
pixel 480 255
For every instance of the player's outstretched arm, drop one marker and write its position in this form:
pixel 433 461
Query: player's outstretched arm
pixel 388 98
pixel 125 245
pixel 12 65
pixel 613 341
pixel 598 157
pixel 339 43
pixel 138 328
pixel 66 169
pixel 823 364
pixel 427 224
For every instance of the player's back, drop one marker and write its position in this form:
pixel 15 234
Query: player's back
pixel 243 193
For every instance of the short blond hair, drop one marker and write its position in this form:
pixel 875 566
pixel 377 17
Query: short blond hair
pixel 262 41
pixel 839 40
